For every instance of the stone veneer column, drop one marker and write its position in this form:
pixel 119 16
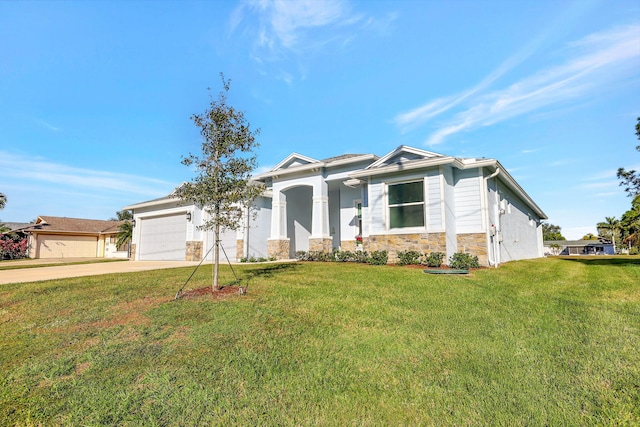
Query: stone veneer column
pixel 278 248
pixel 133 252
pixel 194 251
pixel 320 245
pixel 474 244
pixel 239 249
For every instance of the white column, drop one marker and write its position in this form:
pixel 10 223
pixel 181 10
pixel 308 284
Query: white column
pixel 320 213
pixel 278 216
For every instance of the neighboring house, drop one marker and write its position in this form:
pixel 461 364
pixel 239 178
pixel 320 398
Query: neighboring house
pixel 578 247
pixel 409 199
pixel 56 237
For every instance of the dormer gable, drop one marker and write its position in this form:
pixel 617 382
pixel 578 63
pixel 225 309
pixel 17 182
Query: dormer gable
pixel 403 154
pixel 294 160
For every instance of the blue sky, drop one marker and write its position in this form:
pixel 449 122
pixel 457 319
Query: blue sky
pixel 95 97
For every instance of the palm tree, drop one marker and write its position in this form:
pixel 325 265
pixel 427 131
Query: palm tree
pixel 611 225
pixel 3 200
pixel 125 232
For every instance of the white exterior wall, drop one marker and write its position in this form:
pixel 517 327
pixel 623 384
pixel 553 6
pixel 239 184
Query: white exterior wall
pixel 468 201
pixel 449 201
pixel 434 201
pixel 519 227
pixel 348 214
pixel 255 238
pixel 434 205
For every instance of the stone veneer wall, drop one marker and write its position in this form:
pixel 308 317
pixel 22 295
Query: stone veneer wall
pixel 320 245
pixel 348 245
pixel 133 252
pixel 278 249
pixel 394 243
pixel 239 249
pixel 194 251
pixel 474 244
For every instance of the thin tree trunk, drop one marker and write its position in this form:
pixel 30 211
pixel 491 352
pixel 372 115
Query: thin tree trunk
pixel 216 260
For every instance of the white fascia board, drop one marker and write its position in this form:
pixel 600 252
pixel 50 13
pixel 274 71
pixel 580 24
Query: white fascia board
pixel 312 167
pixel 519 190
pixel 151 203
pixel 416 164
pixel 508 179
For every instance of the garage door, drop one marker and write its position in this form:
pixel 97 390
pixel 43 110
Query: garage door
pixel 61 246
pixel 163 238
pixel 228 240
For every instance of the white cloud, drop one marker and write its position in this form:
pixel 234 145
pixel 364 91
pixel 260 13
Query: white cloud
pixel 594 61
pixel 41 172
pixel 36 186
pixel 289 25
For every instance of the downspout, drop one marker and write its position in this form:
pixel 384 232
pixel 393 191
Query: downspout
pixel 491 247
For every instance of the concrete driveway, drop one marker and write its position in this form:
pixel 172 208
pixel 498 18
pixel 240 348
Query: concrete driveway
pixel 53 271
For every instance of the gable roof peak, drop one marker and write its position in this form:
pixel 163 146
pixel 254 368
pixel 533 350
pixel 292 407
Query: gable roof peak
pixel 411 153
pixel 291 159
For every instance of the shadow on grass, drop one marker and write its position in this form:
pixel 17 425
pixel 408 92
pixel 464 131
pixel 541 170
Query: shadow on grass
pixel 604 260
pixel 269 271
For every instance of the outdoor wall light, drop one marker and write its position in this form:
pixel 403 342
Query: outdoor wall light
pixel 189 216
pixel 133 222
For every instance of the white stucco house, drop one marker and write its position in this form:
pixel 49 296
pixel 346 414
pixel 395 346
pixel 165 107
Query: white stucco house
pixel 409 199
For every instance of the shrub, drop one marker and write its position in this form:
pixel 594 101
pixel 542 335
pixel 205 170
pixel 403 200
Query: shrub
pixel 13 246
pixel 378 258
pixel 361 256
pixel 343 256
pixel 302 256
pixel 634 251
pixel 463 261
pixel 434 259
pixel 408 257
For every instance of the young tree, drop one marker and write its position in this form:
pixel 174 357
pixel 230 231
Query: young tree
pixel 551 232
pixel 224 168
pixel 631 178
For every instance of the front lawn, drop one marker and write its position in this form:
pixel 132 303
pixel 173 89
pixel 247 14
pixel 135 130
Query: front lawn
pixel 540 342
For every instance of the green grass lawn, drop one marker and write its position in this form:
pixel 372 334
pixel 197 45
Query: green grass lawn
pixel 540 342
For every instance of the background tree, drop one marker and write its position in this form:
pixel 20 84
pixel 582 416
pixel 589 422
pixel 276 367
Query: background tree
pixel 222 186
pixel 609 228
pixel 589 236
pixel 551 232
pixel 630 226
pixel 125 230
pixel 631 179
pixel 3 201
pixel 122 216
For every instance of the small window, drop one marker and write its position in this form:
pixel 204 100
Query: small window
pixel 406 205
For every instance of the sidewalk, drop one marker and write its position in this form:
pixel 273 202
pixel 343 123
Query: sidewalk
pixel 22 275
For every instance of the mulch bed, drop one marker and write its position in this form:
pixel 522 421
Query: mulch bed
pixel 220 293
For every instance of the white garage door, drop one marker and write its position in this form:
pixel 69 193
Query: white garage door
pixel 228 240
pixel 61 246
pixel 163 238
